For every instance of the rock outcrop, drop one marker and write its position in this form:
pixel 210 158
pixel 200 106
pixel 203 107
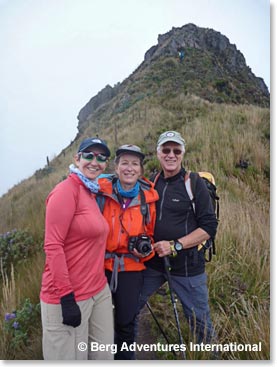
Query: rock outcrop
pixel 212 68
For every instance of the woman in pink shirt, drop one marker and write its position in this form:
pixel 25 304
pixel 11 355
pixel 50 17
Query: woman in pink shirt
pixel 76 306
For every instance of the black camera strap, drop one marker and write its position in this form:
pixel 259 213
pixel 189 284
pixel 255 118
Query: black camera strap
pixel 143 206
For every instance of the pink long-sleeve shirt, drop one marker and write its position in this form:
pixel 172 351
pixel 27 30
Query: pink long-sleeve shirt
pixel 75 243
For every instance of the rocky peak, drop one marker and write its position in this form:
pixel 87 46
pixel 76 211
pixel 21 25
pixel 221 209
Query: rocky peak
pixel 213 69
pixel 208 41
pixel 191 36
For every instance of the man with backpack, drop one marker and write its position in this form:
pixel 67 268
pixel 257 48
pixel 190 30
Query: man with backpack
pixel 182 226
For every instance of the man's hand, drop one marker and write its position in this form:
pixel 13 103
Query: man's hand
pixel 162 248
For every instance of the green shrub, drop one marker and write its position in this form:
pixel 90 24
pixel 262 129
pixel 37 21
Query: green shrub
pixel 16 247
pixel 18 324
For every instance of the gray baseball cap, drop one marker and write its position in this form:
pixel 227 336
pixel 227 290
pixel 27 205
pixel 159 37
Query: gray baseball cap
pixel 171 136
pixel 130 149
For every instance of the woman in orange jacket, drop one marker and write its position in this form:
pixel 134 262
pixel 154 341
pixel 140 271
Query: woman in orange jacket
pixel 128 204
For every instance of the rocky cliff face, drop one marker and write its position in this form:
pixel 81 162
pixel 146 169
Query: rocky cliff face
pixel 191 36
pixel 207 40
pixel 212 68
pixel 105 95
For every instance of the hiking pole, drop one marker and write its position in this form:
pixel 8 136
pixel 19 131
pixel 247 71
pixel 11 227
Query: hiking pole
pixel 169 280
pixel 159 326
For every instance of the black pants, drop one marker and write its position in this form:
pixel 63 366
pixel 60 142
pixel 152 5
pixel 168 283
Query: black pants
pixel 125 300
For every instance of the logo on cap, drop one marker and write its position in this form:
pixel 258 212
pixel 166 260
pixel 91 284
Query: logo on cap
pixel 96 141
pixel 170 134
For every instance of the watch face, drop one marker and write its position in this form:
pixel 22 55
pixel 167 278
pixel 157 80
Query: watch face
pixel 178 246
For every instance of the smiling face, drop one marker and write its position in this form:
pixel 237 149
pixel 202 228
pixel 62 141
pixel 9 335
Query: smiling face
pixel 91 168
pixel 128 169
pixel 170 156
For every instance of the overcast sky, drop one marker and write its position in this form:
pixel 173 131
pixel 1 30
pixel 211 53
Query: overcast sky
pixel 57 54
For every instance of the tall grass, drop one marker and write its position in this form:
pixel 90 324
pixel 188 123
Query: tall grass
pixel 8 303
pixel 16 287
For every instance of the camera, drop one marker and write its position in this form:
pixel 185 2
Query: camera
pixel 142 243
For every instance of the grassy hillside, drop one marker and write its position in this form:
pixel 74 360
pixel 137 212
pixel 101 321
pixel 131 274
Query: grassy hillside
pixel 218 136
pixel 204 74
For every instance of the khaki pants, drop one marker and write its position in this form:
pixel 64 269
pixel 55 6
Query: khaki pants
pixel 62 342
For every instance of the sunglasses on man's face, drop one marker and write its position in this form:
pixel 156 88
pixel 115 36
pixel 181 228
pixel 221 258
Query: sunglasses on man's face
pixel 176 151
pixel 89 156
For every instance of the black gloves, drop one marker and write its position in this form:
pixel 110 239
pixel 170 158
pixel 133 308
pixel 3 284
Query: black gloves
pixel 70 310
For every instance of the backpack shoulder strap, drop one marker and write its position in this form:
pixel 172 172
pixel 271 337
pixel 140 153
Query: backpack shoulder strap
pixel 100 196
pixel 154 177
pixel 193 178
pixel 190 184
pixel 100 199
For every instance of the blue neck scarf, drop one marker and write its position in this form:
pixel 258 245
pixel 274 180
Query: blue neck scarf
pixel 92 185
pixel 130 193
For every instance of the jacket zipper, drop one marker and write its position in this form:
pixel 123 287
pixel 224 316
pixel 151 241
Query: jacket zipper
pixel 162 201
pixel 187 222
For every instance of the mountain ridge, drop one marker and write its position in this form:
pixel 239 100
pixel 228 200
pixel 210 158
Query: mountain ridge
pixel 209 58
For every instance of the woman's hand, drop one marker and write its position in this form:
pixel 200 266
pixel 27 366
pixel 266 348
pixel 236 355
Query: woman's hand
pixel 139 255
